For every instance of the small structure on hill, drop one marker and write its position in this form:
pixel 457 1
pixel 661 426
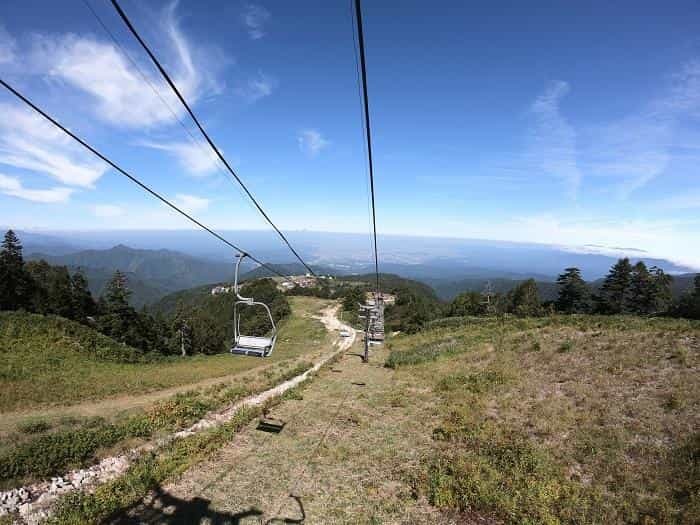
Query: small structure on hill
pixel 217 290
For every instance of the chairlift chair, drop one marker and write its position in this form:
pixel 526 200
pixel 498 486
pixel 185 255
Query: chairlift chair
pixel 248 344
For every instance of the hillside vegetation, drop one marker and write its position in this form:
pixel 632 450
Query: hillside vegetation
pixel 48 360
pixel 152 273
pixel 564 419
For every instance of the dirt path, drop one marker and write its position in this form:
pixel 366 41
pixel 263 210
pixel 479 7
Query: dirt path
pixel 135 402
pixel 343 455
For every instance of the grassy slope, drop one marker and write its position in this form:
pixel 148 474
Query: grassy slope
pixel 48 361
pixel 38 443
pixel 564 420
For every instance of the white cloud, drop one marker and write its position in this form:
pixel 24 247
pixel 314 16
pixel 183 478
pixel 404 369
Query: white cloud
pixel 255 17
pixel 196 158
pixel 119 93
pixel 553 139
pixel 671 239
pixel 638 148
pixel 107 211
pixel 191 203
pixel 13 186
pixel 7 47
pixel 257 87
pixel 27 141
pixel 311 142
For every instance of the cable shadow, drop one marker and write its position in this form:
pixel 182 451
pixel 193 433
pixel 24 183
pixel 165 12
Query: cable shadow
pixel 361 356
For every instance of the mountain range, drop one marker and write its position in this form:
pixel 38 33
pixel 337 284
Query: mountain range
pixel 187 259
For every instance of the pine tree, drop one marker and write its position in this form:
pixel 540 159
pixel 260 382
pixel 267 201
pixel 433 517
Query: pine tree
pixel 15 282
pixel 83 303
pixel 117 294
pixel 663 296
pixel 526 300
pixel 574 294
pixel 615 289
pixel 640 296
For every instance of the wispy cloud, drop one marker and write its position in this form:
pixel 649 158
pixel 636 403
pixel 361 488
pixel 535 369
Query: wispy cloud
pixel 13 186
pixel 311 142
pixel 257 87
pixel 116 87
pixel 638 148
pixel 8 46
pixel 255 17
pixel 28 142
pixel 198 159
pixel 107 211
pixel 191 203
pixel 553 139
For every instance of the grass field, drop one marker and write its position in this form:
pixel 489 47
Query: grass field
pixel 151 397
pixel 49 361
pixel 521 421
pixel 562 420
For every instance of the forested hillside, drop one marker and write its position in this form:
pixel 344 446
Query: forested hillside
pixel 152 273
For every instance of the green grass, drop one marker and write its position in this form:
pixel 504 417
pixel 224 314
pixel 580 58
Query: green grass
pixel 39 446
pixel 47 360
pixel 146 474
pixel 579 419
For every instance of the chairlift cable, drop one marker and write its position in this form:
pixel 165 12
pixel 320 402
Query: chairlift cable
pixel 218 153
pixel 133 179
pixel 368 132
pixel 362 127
pixel 196 141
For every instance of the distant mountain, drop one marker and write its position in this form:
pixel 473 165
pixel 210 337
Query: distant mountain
pixel 152 274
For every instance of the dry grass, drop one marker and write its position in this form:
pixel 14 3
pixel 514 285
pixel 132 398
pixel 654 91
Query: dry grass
pixel 567 420
pixel 347 453
pixel 545 421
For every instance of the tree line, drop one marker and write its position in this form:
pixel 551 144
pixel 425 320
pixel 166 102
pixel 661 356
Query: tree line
pixel 626 289
pixel 39 287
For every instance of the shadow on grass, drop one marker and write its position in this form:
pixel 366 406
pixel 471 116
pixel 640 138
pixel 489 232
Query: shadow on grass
pixel 166 509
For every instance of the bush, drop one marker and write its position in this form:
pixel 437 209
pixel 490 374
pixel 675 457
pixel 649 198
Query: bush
pixel 477 383
pixel 36 426
pixel 422 353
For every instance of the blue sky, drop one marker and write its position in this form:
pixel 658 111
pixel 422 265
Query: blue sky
pixel 538 122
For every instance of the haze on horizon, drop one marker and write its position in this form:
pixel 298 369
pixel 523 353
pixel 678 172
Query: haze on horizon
pixel 534 123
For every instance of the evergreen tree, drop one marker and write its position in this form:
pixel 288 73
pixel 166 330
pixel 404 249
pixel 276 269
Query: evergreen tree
pixel 525 300
pixel 649 290
pixel 83 303
pixel 640 297
pixel 467 303
pixel 574 294
pixel 689 304
pixel 615 289
pixel 663 295
pixel 119 320
pixel 15 282
pixel 117 294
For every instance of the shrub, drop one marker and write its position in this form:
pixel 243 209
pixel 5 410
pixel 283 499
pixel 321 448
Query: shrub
pixel 422 353
pixel 35 426
pixel 476 383
pixel 565 347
